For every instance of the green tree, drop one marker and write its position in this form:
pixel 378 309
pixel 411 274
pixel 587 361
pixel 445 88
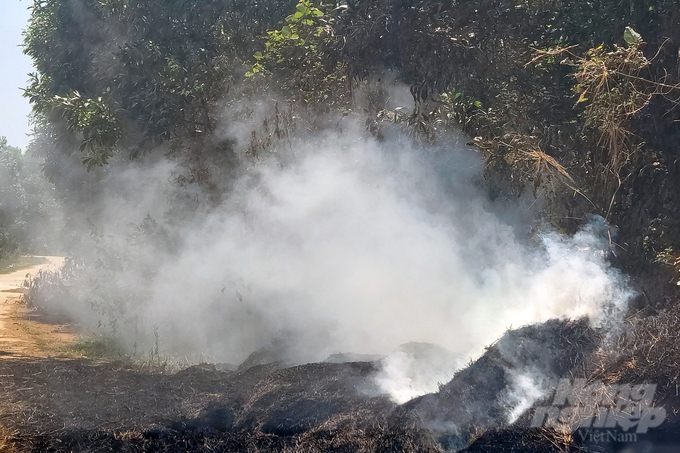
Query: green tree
pixel 27 205
pixel 130 74
pixel 297 56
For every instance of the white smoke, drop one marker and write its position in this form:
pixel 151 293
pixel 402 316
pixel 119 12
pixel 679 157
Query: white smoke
pixel 341 243
pixel 525 388
pixel 415 369
pixel 564 278
pixel 360 246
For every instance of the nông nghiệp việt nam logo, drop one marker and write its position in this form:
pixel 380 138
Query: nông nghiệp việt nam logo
pixel 579 404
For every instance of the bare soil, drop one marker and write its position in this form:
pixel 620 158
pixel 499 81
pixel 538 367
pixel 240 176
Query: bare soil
pixel 25 333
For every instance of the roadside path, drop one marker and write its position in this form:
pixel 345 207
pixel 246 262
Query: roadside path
pixel 21 335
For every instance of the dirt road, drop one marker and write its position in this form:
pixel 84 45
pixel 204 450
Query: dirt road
pixel 22 333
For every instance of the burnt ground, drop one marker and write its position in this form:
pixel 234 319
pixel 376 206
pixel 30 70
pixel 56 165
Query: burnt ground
pixel 55 401
pixel 81 405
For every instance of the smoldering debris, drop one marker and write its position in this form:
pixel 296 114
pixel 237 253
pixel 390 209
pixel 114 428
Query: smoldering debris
pixel 476 399
pixel 316 407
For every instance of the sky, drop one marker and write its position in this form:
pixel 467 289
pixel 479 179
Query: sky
pixel 14 69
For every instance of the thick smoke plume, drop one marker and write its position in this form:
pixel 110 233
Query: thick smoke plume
pixel 340 243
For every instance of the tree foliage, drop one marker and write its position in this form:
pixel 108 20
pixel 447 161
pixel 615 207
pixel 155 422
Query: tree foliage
pixel 152 68
pixel 593 135
pixel 297 56
pixel 27 204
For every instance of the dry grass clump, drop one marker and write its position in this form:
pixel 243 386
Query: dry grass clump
pixel 609 83
pixel 525 151
pixel 612 90
pixel 647 350
pixel 7 443
pixel 537 440
pixel 529 163
pixel 352 430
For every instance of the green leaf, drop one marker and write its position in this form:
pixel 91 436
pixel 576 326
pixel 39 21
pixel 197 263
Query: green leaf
pixel 286 31
pixel 632 38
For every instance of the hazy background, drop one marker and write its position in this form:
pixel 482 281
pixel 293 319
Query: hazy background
pixel 15 66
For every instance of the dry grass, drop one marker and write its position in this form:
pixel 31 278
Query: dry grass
pixel 647 350
pixel 341 431
pixel 523 154
pixel 524 150
pixel 524 440
pixel 7 444
pixel 609 85
pixel 612 92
